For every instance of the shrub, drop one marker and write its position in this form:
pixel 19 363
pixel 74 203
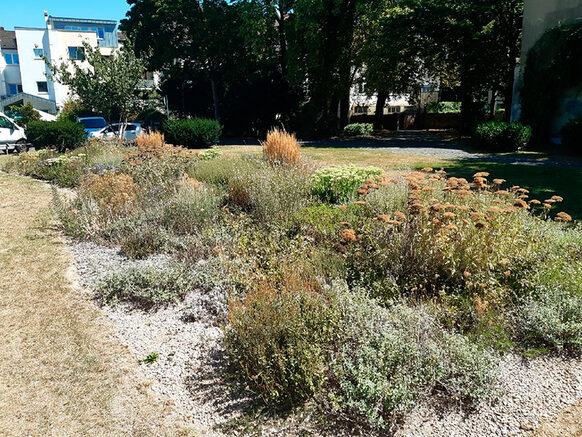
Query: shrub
pixel 195 133
pixel 276 342
pixel 389 358
pixel 270 194
pixel 61 135
pixel 281 147
pixel 552 318
pixel 498 136
pixel 145 286
pixel 572 135
pixel 190 209
pixel 443 107
pixel 26 114
pixel 140 240
pixel 359 129
pixel 207 155
pixel 339 183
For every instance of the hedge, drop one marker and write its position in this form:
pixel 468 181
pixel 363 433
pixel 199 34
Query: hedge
pixel 499 136
pixel 359 129
pixel 194 133
pixel 59 135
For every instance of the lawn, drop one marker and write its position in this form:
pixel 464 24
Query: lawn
pixel 63 372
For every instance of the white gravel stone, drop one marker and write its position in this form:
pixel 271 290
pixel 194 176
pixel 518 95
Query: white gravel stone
pixel 190 358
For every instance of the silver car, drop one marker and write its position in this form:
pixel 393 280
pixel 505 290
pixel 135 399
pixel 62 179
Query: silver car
pixel 132 130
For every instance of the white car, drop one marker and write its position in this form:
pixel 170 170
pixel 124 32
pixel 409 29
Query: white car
pixel 132 130
pixel 12 136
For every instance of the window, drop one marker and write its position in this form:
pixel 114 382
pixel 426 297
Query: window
pixel 38 53
pixel 98 30
pixel 11 58
pixel 14 88
pixel 77 53
pixel 42 87
pixel 5 123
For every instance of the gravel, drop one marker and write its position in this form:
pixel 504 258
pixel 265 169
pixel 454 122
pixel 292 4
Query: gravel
pixel 187 339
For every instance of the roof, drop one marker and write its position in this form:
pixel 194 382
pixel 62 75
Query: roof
pixel 81 20
pixel 7 39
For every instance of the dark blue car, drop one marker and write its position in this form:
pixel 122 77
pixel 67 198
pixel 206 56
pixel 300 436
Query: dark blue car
pixel 92 124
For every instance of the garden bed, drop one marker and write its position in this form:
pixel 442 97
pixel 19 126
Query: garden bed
pixel 303 298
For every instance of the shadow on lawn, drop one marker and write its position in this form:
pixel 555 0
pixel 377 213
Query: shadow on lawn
pixel 543 181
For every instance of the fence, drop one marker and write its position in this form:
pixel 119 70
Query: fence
pixel 404 121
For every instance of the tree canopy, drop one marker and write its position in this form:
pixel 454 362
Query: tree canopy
pixel 255 63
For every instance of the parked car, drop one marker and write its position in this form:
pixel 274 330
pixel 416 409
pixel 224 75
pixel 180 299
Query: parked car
pixel 132 130
pixel 92 124
pixel 12 136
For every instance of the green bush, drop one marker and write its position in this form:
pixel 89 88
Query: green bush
pixel 145 286
pixel 387 359
pixel 60 135
pixel 359 129
pixel 443 107
pixel 572 135
pixel 194 133
pixel 552 319
pixel 499 136
pixel 340 183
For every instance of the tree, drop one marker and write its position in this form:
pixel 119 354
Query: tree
pixel 27 114
pixel 470 43
pixel 108 85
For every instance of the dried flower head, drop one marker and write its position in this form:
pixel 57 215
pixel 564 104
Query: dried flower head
pixel 563 217
pixel 383 218
pixel 520 203
pixel 427 169
pixel 499 181
pixel 481 174
pixel 349 235
pixel 342 207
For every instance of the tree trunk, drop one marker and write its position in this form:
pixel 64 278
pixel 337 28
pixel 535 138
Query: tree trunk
pixel 282 44
pixel 344 109
pixel 215 99
pixel 379 112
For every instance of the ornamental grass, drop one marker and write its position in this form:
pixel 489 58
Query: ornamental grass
pixel 281 147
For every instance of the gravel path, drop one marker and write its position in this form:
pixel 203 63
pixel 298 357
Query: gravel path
pixel 190 359
pixel 185 337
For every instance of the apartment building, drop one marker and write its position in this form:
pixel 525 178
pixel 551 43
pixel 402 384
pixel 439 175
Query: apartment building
pixel 24 75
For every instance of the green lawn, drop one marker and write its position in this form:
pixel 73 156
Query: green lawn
pixel 542 181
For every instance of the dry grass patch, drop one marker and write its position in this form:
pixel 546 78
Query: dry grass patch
pixel 62 372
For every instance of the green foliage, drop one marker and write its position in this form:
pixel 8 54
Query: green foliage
pixel 552 318
pixel 339 183
pixel 572 135
pixel 554 65
pixel 72 109
pixel 194 133
pixel 209 154
pixel 359 129
pixel 190 210
pixel 145 286
pixel 498 136
pixel 60 135
pixel 26 114
pixel 389 358
pixel 443 107
pixel 150 359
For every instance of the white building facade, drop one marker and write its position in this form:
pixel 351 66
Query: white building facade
pixel 24 75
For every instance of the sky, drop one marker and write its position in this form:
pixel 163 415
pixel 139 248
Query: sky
pixel 30 13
